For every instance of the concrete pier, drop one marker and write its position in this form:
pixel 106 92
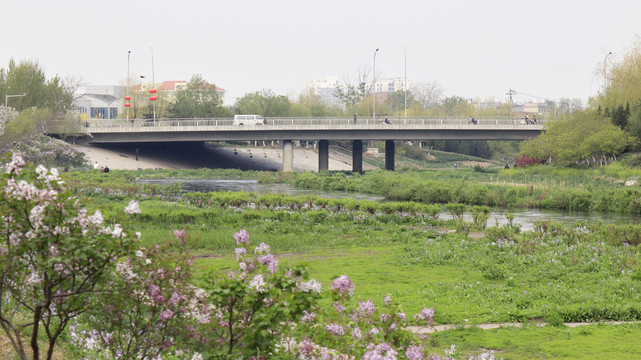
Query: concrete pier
pixel 288 156
pixel 323 155
pixel 390 151
pixel 357 156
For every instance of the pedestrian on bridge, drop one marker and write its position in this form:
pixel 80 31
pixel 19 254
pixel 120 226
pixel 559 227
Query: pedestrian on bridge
pixel 354 118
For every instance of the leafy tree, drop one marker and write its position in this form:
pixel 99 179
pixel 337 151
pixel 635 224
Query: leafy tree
pixel 352 94
pixel 53 256
pixel 456 106
pixel 395 101
pixel 264 103
pixel 28 77
pixel 620 116
pixel 622 78
pixel 198 99
pixel 582 136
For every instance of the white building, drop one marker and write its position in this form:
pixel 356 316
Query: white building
pixel 100 101
pixel 385 86
pixel 325 89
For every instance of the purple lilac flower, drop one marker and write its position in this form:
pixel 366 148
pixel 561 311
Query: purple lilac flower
pixel 343 285
pixel 261 248
pixel 338 306
pixel 366 308
pixel 387 299
pixel 381 352
pixel 242 237
pixel 414 352
pixel 240 252
pixel 308 317
pixel 335 329
pixel 427 315
pixel 180 235
pixel 402 317
pixel 270 261
pixel 166 315
pixel 356 334
pixel 306 348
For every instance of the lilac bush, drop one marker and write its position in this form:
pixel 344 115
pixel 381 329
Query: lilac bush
pixel 54 256
pixel 7 114
pixel 258 304
pixel 42 149
pixel 151 307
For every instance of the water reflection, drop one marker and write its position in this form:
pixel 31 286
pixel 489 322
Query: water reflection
pixel 524 217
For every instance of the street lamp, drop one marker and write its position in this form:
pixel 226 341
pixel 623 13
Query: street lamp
pixel 128 96
pixel 375 84
pixel 6 97
pixel 405 83
pixel 153 83
pixel 605 63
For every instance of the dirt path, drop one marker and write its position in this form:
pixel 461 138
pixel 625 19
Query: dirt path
pixel 437 328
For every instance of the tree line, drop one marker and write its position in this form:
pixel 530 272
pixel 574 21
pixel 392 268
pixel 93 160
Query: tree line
pixel 609 127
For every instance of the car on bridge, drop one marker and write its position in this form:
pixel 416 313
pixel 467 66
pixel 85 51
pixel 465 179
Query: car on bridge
pixel 248 120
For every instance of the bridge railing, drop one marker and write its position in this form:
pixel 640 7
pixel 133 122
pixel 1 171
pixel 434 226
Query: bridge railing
pixel 331 121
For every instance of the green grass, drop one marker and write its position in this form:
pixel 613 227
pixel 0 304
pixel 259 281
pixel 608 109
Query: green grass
pixel 590 273
pixel 601 341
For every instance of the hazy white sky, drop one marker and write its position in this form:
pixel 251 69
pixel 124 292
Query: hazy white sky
pixel 471 48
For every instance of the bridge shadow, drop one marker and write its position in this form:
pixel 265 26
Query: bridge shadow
pixel 194 155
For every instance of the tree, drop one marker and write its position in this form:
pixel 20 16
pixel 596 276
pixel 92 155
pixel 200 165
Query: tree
pixel 264 103
pixel 622 78
pixel 456 106
pixel 28 77
pixel 53 256
pixel 428 94
pixel 352 94
pixel 198 99
pixel 582 136
pixel 395 101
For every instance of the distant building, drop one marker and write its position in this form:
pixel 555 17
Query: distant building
pixel 325 89
pixel 532 108
pixel 168 88
pixel 100 101
pixel 384 87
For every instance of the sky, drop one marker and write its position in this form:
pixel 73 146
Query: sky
pixel 471 48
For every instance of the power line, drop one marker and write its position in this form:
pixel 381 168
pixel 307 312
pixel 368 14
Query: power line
pixel 534 96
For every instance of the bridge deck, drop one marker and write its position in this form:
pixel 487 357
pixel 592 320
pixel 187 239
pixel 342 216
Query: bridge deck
pixel 185 130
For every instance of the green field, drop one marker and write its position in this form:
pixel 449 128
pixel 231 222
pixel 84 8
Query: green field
pixel 468 274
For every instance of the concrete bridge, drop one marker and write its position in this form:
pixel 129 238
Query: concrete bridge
pixel 321 130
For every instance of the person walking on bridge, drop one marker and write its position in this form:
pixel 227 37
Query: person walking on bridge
pixel 354 118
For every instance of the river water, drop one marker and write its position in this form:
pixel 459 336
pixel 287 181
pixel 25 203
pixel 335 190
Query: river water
pixel 524 217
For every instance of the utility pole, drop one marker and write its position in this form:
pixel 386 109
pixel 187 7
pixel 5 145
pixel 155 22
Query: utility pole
pixel 510 93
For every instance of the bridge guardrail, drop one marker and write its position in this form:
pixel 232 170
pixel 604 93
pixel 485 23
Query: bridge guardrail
pixel 123 123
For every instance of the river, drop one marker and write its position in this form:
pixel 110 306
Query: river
pixel 524 217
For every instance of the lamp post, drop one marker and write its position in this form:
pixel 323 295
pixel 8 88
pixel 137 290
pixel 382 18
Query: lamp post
pixel 6 98
pixel 153 83
pixel 128 97
pixel 605 63
pixel 405 83
pixel 374 83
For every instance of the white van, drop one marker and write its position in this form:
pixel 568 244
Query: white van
pixel 248 120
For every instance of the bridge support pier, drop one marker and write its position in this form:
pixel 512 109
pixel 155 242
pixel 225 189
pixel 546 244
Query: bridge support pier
pixel 357 156
pixel 390 151
pixel 288 156
pixel 323 155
